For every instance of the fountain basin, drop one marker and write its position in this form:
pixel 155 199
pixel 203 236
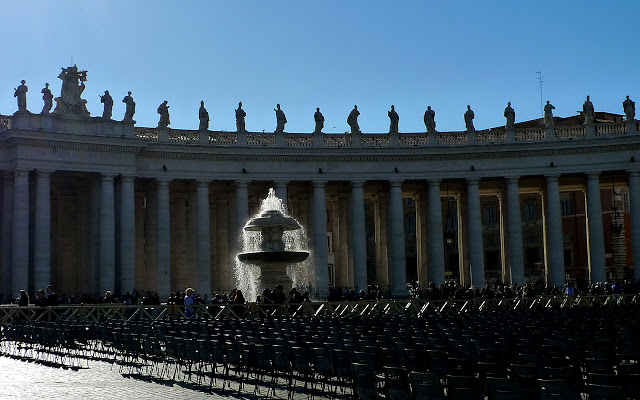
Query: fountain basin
pixel 273 258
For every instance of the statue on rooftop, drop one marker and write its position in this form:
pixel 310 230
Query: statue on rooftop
pixel 548 114
pixel 70 102
pixel 468 119
pixel 107 100
pixel 203 115
pixel 47 96
pixel 587 110
pixel 319 118
pixel 281 119
pixel 430 120
pixel 510 115
pixel 629 107
pixel 394 118
pixel 352 120
pixel 130 107
pixel 21 94
pixel 163 110
pixel 240 116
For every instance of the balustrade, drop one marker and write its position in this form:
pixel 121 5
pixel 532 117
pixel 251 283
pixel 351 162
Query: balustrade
pixel 182 136
pixel 530 135
pixel 261 139
pixel 5 123
pixel 569 132
pixel 150 134
pixel 618 128
pixel 375 141
pixel 491 136
pixel 445 138
pixel 414 139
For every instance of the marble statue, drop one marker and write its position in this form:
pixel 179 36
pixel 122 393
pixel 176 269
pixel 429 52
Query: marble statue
pixel 352 120
pixel 468 119
pixel 430 120
pixel 394 118
pixel 510 115
pixel 240 116
pixel 629 107
pixel 107 100
pixel 319 118
pixel 130 107
pixel 21 94
pixel 203 115
pixel 47 96
pixel 587 110
pixel 281 119
pixel 548 114
pixel 70 102
pixel 163 110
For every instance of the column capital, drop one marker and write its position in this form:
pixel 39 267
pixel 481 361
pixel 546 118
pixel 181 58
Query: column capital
pixel 163 181
pixel 357 183
pixel 107 176
pixel 396 182
pixel 242 183
pixel 43 172
pixel 552 177
pixel 280 183
pixel 593 175
pixel 633 173
pixel 434 181
pixel 20 172
pixel 473 181
pixel 318 184
pixel 202 182
pixel 127 178
pixel 512 179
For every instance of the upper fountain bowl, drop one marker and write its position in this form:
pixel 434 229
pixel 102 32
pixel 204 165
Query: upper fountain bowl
pixel 272 218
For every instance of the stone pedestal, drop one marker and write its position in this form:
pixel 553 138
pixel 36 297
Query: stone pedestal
pixel 394 139
pixel 203 137
pixel 280 139
pixel 163 134
pixel 589 131
pixel 631 128
pixel 356 139
pixel 242 138
pixel 510 135
pixel 549 133
pixel 433 138
pixel 317 139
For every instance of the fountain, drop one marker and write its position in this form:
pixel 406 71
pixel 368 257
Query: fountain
pixel 271 243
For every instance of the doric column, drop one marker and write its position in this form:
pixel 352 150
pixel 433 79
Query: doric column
pixel 320 251
pixel 42 237
pixel 434 225
pixel 20 232
pixel 596 232
pixel 344 277
pixel 7 227
pixel 359 236
pixel 553 223
pixel 163 239
pixel 634 204
pixel 107 234
pixel 514 231
pixel 382 256
pixel 397 260
pixel 280 188
pixel 241 206
pixel 421 204
pixel 203 250
pixel 474 233
pixel 127 235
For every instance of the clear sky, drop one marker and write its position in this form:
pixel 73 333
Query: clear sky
pixel 328 54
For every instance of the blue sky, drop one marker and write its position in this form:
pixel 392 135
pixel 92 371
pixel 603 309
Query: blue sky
pixel 327 54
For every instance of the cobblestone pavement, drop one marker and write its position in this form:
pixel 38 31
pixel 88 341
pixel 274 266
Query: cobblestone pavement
pixel 25 380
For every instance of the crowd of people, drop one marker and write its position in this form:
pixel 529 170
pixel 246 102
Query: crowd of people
pixel 448 290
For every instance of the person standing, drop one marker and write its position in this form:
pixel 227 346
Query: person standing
pixel 281 119
pixel 240 116
pixel 203 115
pixel 130 107
pixel 468 119
pixel 352 120
pixel 319 118
pixel 188 302
pixel 48 99
pixel 21 94
pixel 394 118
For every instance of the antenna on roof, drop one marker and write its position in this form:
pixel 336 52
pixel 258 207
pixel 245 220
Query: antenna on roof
pixel 541 102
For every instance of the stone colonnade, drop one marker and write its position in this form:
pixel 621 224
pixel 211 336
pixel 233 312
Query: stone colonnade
pixel 114 253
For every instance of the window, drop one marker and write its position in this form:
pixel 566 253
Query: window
pixel 566 206
pixel 530 211
pixel 409 201
pixel 490 215
pixel 330 242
